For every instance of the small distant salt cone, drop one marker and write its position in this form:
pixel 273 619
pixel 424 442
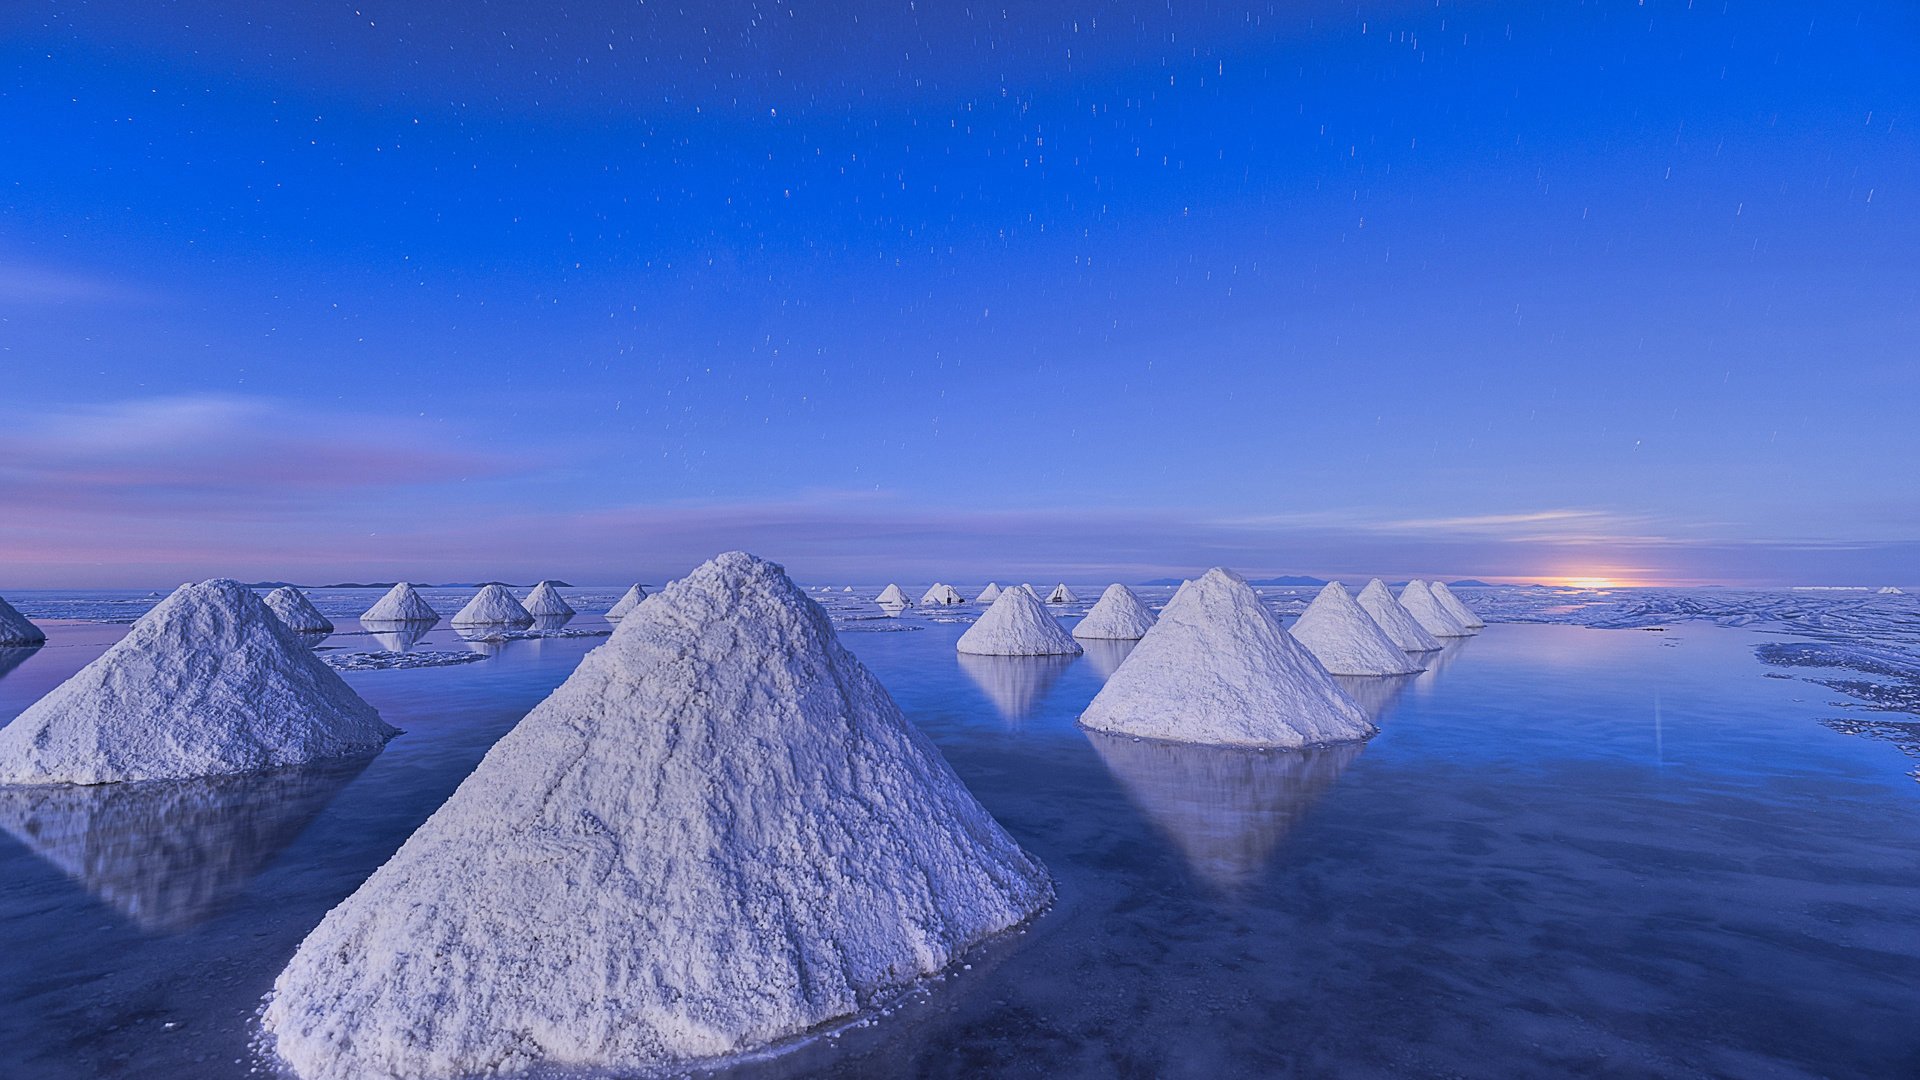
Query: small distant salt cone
pixel 210 682
pixel 627 603
pixel 892 596
pixel 1217 668
pixel 1119 616
pixel 1395 621
pixel 942 594
pixel 1426 610
pixel 847 589
pixel 1345 639
pixel 546 600
pixel 1062 595
pixel 718 833
pixel 1017 625
pixel 401 604
pixel 16 630
pixel 989 594
pixel 1455 606
pixel 493 606
pixel 297 611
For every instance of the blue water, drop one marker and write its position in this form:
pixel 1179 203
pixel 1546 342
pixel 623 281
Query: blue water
pixel 1569 851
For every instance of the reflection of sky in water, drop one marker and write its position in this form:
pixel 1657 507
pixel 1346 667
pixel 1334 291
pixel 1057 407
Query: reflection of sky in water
pixel 1567 851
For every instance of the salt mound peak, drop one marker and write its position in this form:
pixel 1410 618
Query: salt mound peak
pixel 1118 616
pixel 1017 625
pixel 989 594
pixel 1217 668
pixel 546 600
pixel 1345 639
pixel 1455 606
pixel 1395 621
pixel 942 594
pixel 1426 610
pixel 210 682
pixel 625 605
pixel 298 612
pixel 16 630
pixel 1884 590
pixel 1062 595
pixel 892 595
pixel 493 606
pixel 718 833
pixel 403 603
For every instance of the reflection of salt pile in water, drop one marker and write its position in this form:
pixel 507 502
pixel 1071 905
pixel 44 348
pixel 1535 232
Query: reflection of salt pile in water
pixel 209 682
pixel 719 832
pixel 1226 808
pixel 16 630
pixel 989 594
pixel 1395 621
pixel 1017 625
pixel 546 600
pixel 1016 684
pixel 1455 606
pixel 1345 639
pixel 402 603
pixel 627 603
pixel 1118 616
pixel 398 637
pixel 547 624
pixel 1437 663
pixel 1427 611
pixel 493 606
pixel 1062 595
pixel 891 596
pixel 12 656
pixel 1375 693
pixel 1217 668
pixel 1105 655
pixel 294 609
pixel 942 594
pixel 171 854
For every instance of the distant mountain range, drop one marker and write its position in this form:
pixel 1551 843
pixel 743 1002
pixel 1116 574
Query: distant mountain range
pixel 1301 580
pixel 390 584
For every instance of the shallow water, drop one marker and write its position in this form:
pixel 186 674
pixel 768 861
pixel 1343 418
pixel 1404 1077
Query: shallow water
pixel 1569 850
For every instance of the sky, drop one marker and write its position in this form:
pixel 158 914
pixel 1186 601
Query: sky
pixel 1614 289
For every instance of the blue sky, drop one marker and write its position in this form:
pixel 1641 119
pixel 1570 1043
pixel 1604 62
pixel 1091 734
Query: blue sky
pixel 1511 290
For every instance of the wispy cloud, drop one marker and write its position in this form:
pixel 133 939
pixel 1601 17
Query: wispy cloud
pixel 27 283
pixel 208 453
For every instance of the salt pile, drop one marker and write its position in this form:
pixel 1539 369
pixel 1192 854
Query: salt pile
pixel 294 609
pixel 1119 615
pixel 1017 625
pixel 892 596
pixel 546 600
pixel 207 683
pixel 493 606
pixel 401 604
pixel 1395 621
pixel 989 594
pixel 719 832
pixel 942 594
pixel 625 605
pixel 1217 668
pixel 1885 590
pixel 16 630
pixel 1345 639
pixel 1062 595
pixel 1455 606
pixel 1427 611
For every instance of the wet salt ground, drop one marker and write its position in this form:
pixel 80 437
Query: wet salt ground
pixel 1569 851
